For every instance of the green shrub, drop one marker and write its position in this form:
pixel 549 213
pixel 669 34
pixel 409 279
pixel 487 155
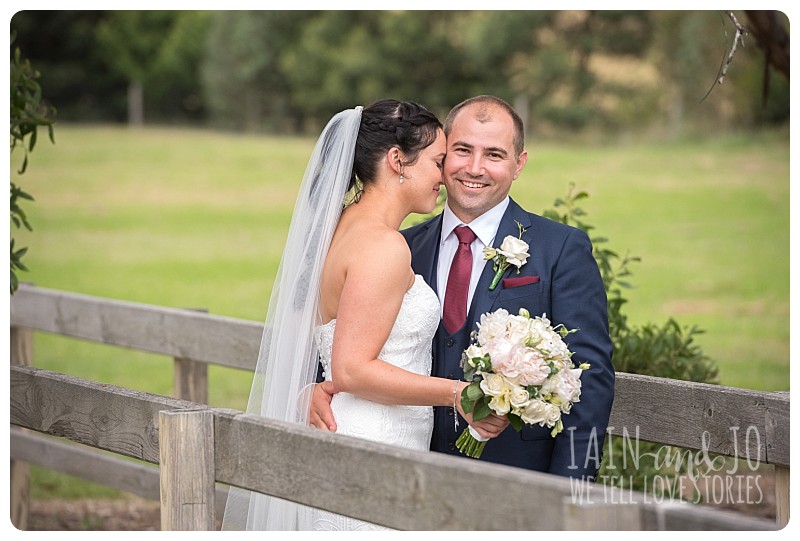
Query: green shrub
pixel 667 350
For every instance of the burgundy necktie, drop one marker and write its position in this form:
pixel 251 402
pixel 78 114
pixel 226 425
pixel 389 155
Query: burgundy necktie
pixel 455 298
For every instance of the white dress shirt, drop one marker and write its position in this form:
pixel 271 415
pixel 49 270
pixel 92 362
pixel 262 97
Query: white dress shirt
pixel 485 228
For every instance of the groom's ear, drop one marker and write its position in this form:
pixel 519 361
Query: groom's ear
pixel 521 161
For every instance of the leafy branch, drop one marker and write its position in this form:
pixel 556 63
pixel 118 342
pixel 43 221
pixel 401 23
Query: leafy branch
pixel 28 112
pixel 614 269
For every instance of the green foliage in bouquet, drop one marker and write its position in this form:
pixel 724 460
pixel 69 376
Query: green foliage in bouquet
pixel 666 350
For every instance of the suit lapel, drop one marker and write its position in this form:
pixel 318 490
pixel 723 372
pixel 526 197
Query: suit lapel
pixel 425 251
pixel 484 300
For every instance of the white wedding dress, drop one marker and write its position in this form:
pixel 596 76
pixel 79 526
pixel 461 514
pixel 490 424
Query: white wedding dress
pixel 408 347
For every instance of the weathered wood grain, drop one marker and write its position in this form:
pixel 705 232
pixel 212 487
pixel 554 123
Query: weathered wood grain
pixel 85 462
pixel 190 380
pixel 395 487
pixel 414 490
pixel 734 422
pixel 173 332
pixel 186 445
pixel 104 416
pixel 21 346
pixel 93 465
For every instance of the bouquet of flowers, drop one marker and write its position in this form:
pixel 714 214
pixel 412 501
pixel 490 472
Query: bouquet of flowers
pixel 519 366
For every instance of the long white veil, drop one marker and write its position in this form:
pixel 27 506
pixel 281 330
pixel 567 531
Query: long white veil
pixel 287 359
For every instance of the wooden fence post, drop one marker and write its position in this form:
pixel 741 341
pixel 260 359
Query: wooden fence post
pixel 21 343
pixel 190 380
pixel 190 377
pixel 186 457
pixel 781 496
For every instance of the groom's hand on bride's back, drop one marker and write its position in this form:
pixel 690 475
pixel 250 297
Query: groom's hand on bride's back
pixel 320 414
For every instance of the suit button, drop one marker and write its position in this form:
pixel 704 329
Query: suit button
pixel 452 446
pixel 449 412
pixel 450 342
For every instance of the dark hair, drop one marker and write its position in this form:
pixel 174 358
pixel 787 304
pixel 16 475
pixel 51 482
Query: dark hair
pixel 390 123
pixel 483 116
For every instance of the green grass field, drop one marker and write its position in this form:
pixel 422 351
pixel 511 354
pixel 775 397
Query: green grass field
pixel 190 218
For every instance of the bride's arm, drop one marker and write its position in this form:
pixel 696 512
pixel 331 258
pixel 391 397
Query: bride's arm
pixel 374 286
pixel 369 303
pixel 321 414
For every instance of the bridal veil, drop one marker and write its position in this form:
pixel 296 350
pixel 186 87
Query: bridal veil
pixel 287 359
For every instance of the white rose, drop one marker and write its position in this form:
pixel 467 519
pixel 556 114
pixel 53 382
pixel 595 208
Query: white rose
pixel 515 251
pixel 552 414
pixel 534 412
pixel 519 397
pixel 495 385
pixel 474 352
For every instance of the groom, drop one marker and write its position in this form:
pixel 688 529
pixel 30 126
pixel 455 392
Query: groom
pixel 485 154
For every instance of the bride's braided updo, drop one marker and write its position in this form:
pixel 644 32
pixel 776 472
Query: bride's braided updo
pixel 390 123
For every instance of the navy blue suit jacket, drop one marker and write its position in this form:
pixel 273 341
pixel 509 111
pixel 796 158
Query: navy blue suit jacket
pixel 569 291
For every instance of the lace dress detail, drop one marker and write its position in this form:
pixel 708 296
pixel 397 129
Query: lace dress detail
pixel 408 347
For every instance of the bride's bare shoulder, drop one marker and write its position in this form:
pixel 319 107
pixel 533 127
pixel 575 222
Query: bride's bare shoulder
pixel 386 242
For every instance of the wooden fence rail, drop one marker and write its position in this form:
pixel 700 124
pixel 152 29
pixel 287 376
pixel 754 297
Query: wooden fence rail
pixel 732 422
pixel 396 487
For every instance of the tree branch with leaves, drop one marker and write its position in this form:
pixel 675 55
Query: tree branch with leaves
pixel 28 112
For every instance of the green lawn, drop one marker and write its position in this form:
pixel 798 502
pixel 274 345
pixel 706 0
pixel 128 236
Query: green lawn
pixel 197 219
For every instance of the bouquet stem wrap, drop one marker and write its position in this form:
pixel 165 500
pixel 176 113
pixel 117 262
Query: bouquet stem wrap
pixel 471 443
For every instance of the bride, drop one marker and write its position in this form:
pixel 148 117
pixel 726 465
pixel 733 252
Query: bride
pixel 346 295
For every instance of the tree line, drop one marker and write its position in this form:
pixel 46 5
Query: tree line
pixel 288 71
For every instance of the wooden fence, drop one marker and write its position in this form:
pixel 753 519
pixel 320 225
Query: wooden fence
pixel 399 488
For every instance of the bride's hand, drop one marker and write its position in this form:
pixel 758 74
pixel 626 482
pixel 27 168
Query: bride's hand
pixel 320 414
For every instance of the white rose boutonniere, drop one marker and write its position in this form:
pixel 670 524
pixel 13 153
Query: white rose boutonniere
pixel 513 251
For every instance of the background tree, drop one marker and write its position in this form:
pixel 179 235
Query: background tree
pixel 244 85
pixel 130 42
pixel 174 82
pixel 568 72
pixel 75 72
pixel 770 28
pixel 771 31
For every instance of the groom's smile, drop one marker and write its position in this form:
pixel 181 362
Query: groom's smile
pixel 471 184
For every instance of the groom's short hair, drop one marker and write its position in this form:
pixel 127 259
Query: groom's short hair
pixel 489 100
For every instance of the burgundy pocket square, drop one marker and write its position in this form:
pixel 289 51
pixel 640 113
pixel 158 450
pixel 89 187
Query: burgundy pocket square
pixel 521 281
